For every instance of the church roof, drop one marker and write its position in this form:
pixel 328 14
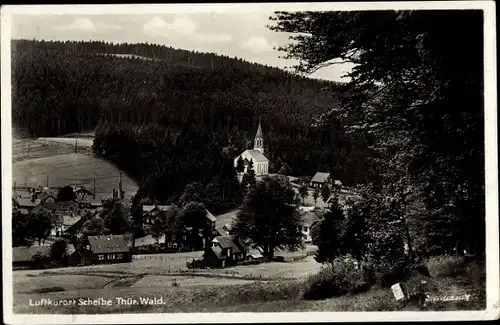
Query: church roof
pixel 259 131
pixel 257 155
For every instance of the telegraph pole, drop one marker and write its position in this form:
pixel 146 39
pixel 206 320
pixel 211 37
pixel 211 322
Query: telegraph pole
pixel 47 180
pixel 76 145
pixel 94 188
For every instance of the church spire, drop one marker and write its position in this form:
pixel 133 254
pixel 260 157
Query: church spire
pixel 259 139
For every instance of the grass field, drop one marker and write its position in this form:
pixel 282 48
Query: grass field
pixel 150 276
pixel 72 168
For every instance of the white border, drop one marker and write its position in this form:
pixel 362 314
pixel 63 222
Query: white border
pixel 492 244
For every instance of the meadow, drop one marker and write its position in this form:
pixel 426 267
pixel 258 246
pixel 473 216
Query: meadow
pixel 71 168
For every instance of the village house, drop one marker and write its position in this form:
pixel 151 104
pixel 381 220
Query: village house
pixel 22 256
pixel 225 251
pixel 256 156
pixel 25 203
pixel 63 221
pixel 309 218
pixel 106 249
pixel 323 179
pixel 91 205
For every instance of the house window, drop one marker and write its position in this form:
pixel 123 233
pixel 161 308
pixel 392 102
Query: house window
pixel 306 229
pixel 100 257
pixel 169 245
pixel 181 245
pixel 184 237
pixel 175 245
pixel 304 237
pixel 186 246
pixel 174 237
pixel 119 256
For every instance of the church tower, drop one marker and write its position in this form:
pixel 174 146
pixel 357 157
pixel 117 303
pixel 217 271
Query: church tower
pixel 259 140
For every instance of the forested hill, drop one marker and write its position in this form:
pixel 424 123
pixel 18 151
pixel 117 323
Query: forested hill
pixel 166 121
pixel 62 87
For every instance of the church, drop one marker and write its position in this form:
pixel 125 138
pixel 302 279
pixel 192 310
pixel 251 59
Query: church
pixel 260 162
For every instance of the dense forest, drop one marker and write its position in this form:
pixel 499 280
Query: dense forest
pixel 176 102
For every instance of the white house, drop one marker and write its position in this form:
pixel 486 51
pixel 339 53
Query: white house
pixel 256 156
pixel 309 218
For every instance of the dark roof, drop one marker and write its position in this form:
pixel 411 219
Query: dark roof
pixel 320 177
pixel 25 254
pixel 68 204
pixel 51 206
pixel 230 241
pixel 108 244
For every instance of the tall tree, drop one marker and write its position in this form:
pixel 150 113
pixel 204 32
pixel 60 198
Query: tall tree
pixel 303 192
pixel 66 194
pixel 329 234
pixel 240 165
pixel 157 229
pixel 406 91
pixel 316 194
pixel 325 193
pixel 269 216
pixel 40 223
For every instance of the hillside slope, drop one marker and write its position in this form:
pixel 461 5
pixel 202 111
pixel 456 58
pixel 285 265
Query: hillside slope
pixel 63 87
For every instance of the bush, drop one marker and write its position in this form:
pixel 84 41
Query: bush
pixel 49 289
pixel 40 261
pixel 445 265
pixel 342 277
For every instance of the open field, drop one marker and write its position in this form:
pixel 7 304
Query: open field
pixel 148 276
pixel 72 168
pixel 81 142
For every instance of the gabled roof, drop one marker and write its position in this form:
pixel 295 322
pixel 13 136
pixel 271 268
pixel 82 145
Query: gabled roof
pixel 51 206
pixel 164 207
pixel 148 240
pixel 337 182
pixel 25 254
pixel 320 177
pixel 108 244
pixel 27 202
pixel 230 242
pixel 210 216
pixel 68 205
pixel 308 218
pixel 257 155
pixel 68 220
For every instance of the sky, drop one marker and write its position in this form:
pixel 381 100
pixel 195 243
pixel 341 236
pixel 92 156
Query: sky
pixel 243 35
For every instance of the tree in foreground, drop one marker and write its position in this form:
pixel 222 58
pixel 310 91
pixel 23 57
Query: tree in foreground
pixel 303 192
pixel 316 194
pixel 269 216
pixel 249 178
pixel 329 234
pixel 157 229
pixel 66 194
pixel 325 193
pixel 58 249
pixel 405 90
pixel 40 223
